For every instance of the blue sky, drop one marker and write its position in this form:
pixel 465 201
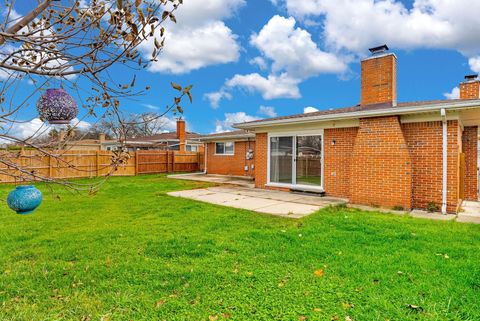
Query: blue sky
pixel 276 57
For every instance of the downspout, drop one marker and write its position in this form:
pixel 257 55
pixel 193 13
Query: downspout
pixel 443 114
pixel 206 157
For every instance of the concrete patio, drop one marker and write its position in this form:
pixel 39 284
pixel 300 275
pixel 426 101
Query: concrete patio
pixel 217 179
pixel 269 202
pixel 239 192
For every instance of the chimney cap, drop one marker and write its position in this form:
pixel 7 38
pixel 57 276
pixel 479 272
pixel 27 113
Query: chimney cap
pixel 379 49
pixel 471 77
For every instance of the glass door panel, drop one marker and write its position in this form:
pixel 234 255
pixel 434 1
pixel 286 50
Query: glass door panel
pixel 281 160
pixel 309 160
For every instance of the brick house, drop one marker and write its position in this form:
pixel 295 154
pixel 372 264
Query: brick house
pixel 179 140
pixel 379 153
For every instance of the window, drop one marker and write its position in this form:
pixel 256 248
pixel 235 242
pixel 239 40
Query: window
pixel 226 148
pixel 191 148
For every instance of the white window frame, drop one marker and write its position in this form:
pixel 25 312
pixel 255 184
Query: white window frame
pixel 224 149
pixel 191 146
pixel 294 185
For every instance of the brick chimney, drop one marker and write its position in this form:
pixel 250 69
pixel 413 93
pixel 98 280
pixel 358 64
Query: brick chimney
pixel 379 77
pixel 181 134
pixel 470 88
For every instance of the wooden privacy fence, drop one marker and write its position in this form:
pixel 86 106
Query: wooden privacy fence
pixel 83 164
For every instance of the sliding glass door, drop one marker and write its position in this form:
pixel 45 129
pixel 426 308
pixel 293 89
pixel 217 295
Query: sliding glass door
pixel 296 160
pixel 281 160
pixel 309 160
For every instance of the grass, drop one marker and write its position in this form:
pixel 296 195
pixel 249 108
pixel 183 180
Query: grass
pixel 133 253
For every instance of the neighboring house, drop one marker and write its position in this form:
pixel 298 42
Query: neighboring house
pixel 378 153
pixel 179 140
pixel 90 144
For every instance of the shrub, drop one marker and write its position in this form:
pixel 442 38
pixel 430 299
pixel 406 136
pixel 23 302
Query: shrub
pixel 432 207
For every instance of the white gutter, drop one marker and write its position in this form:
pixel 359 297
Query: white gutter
pixel 363 114
pixel 443 114
pixel 224 137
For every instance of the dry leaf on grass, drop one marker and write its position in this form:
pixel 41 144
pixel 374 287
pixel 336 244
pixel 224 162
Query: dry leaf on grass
pixel 319 273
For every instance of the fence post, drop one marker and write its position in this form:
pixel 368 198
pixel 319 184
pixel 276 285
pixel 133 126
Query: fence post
pixel 50 166
pixel 97 163
pixel 136 162
pixel 173 161
pixel 168 162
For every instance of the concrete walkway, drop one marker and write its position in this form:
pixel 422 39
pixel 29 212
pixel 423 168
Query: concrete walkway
pixel 263 201
pixel 470 212
pixel 217 179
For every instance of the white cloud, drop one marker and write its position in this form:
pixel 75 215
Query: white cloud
pixel 259 62
pixel 151 107
pixel 454 94
pixel 271 87
pixel 474 63
pixel 216 97
pixel 36 128
pixel 267 111
pixel 355 25
pixel 167 124
pixel 292 50
pixel 309 109
pixel 200 39
pixel 294 57
pixel 232 118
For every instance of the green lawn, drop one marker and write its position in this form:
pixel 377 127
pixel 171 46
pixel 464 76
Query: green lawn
pixel 133 253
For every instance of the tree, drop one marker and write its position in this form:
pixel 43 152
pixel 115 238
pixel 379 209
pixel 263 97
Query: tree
pixel 73 45
pixel 144 124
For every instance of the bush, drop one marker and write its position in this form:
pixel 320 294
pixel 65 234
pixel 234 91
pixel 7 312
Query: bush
pixel 432 207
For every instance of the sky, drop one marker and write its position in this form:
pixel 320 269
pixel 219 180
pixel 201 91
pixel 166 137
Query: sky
pixel 251 59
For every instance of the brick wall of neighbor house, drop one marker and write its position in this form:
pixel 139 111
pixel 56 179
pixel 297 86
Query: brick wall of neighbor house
pixel 231 164
pixel 338 157
pixel 470 145
pixel 381 170
pixel 379 80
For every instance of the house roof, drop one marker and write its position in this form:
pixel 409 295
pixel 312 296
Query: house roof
pixel 236 134
pixel 170 136
pixel 359 111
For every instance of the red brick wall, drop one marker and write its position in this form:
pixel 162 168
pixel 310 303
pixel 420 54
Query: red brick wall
pixel 261 156
pixel 470 90
pixel 381 169
pixel 231 164
pixel 379 80
pixel 454 148
pixel 388 164
pixel 424 142
pixel 337 159
pixel 470 145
